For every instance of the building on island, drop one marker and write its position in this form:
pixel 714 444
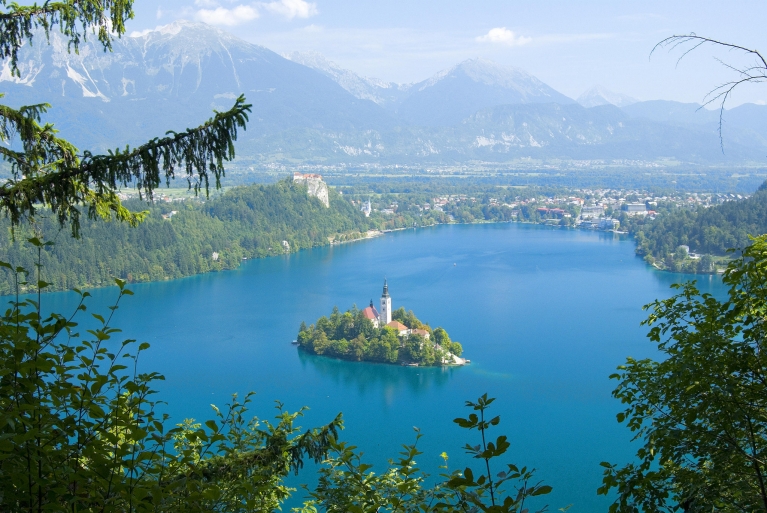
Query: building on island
pixel 372 314
pixel 402 330
pixel 384 317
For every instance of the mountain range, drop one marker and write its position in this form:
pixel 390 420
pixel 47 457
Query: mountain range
pixel 309 110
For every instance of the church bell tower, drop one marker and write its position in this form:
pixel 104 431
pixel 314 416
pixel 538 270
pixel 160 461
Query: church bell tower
pixel 385 313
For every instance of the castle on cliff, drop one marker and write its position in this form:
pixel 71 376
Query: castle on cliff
pixel 314 185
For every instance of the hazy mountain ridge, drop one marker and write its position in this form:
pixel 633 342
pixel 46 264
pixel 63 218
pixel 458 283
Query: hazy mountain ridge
pixel 173 77
pixel 599 95
pixel 376 90
pixel 509 132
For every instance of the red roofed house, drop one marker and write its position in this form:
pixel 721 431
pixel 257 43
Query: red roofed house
pixel 425 334
pixel 401 328
pixel 371 313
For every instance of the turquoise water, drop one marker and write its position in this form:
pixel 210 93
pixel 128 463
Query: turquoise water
pixel 544 314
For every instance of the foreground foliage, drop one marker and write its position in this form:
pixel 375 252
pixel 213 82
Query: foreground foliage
pixel 346 484
pixel 80 429
pixel 701 413
pixel 351 336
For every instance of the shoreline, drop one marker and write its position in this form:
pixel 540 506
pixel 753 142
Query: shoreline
pixel 369 235
pixel 465 362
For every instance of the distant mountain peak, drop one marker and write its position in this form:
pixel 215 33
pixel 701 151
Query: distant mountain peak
pixel 492 73
pixel 454 94
pixel 599 95
pixel 176 27
pixel 365 88
pixel 190 38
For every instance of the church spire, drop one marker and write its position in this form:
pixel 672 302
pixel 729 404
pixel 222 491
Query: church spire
pixel 385 312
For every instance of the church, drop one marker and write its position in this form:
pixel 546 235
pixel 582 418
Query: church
pixel 383 317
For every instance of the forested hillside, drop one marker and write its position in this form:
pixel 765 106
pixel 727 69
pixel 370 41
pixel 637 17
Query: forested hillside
pixel 246 222
pixel 708 231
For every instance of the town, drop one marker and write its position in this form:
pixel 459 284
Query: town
pixel 593 209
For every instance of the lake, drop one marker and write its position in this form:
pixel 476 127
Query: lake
pixel 544 314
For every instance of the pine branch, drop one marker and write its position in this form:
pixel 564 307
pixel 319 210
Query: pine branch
pixel 105 18
pixel 198 151
pixel 48 171
pixel 41 148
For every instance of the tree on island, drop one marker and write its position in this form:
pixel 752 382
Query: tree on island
pixel 351 336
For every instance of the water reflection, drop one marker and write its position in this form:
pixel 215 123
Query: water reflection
pixel 365 377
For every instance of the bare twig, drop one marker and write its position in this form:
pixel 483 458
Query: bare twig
pixel 755 74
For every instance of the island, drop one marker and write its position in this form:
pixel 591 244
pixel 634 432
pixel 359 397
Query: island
pixel 385 336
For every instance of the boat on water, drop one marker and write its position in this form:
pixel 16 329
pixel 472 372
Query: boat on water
pixel 295 343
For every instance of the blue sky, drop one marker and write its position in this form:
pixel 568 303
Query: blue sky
pixel 570 45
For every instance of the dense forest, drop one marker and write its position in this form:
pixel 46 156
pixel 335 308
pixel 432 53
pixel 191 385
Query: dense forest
pixel 352 336
pixel 183 238
pixel 706 231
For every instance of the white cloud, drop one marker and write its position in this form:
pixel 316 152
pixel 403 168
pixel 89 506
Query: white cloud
pixel 504 36
pixel 159 13
pixel 206 3
pixel 293 8
pixel 228 17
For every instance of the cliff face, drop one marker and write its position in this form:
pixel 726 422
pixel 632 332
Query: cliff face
pixel 316 187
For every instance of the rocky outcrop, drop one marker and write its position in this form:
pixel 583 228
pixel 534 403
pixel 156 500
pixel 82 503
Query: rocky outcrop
pixel 315 186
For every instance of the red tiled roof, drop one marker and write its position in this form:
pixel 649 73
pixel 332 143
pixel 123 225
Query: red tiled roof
pixel 370 313
pixel 397 325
